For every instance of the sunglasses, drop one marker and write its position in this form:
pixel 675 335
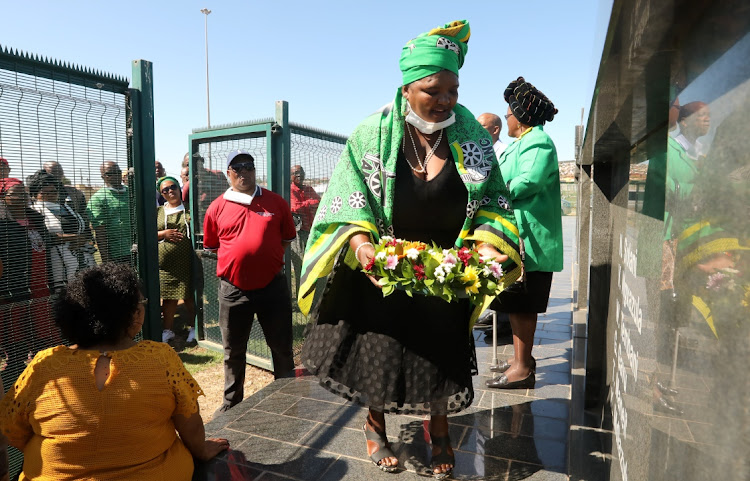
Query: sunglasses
pixel 240 166
pixel 168 188
pixel 507 116
pixel 112 172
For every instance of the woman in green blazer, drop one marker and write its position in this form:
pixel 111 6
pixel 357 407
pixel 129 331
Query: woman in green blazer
pixel 529 166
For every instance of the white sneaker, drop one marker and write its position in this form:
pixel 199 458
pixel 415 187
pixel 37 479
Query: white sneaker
pixel 167 335
pixel 191 335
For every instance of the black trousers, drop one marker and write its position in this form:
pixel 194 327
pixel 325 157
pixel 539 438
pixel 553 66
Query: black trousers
pixel 237 308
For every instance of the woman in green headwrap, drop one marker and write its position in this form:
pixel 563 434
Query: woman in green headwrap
pixel 175 255
pixel 422 169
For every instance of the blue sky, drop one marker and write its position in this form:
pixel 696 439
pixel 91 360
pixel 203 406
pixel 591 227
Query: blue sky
pixel 334 62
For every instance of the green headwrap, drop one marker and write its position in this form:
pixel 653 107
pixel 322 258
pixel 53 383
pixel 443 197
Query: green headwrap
pixel 163 179
pixel 442 48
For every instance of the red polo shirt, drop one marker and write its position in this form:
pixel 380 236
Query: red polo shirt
pixel 248 235
pixel 304 202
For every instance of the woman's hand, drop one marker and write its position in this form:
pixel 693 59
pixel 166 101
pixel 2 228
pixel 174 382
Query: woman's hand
pixel 212 447
pixel 193 435
pixel 172 235
pixel 488 250
pixel 365 253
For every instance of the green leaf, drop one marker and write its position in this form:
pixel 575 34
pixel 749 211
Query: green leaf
pixel 407 269
pixel 388 290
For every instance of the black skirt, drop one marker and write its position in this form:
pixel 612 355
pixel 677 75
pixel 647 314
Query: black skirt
pixel 529 296
pixel 398 354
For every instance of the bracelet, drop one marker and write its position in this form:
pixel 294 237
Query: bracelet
pixel 356 251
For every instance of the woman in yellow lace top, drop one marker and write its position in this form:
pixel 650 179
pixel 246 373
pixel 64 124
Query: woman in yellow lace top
pixel 106 407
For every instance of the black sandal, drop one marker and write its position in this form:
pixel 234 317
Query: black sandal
pixel 384 450
pixel 443 442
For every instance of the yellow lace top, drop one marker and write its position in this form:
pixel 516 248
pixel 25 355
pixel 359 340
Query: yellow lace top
pixel 68 429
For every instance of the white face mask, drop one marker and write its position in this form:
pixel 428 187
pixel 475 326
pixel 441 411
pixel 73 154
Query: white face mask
pixel 424 126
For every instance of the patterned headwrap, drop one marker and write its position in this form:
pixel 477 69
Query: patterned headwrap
pixel 442 48
pixel 7 183
pixel 164 179
pixel 528 104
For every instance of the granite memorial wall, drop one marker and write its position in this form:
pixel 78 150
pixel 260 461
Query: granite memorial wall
pixel 666 159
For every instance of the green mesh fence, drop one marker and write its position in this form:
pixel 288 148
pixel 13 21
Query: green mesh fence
pixel 316 151
pixel 58 127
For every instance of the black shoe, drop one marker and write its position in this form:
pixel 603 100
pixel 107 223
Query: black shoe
pixel 666 390
pixel 485 320
pixel 505 365
pixel 501 382
pixel 663 405
pixel 221 410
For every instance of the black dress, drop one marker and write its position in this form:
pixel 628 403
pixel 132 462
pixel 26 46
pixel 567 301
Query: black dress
pixel 399 354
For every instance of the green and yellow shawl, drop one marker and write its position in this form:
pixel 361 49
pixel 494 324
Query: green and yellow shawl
pixel 360 195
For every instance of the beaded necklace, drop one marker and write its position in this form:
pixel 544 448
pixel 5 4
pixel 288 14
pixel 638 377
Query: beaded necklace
pixel 422 166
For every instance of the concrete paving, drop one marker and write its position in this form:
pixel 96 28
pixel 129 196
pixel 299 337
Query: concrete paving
pixel 295 429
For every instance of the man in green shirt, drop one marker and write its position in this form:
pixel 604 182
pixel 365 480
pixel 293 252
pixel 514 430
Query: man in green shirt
pixel 109 211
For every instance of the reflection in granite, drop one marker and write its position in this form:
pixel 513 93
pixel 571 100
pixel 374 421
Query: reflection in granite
pixel 295 429
pixel 668 331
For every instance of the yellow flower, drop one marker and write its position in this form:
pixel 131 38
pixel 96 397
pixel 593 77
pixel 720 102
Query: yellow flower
pixel 438 256
pixel 470 275
pixel 473 288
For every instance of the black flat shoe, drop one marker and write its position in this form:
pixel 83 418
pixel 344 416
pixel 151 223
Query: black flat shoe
pixel 505 365
pixel 663 405
pixel 666 390
pixel 501 382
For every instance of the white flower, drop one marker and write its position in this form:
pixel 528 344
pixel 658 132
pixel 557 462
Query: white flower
pixel 385 238
pixel 486 271
pixel 486 259
pixel 412 254
pixel 380 256
pixel 439 272
pixel 440 279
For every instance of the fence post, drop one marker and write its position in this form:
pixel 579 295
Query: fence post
pixel 144 156
pixel 282 143
pixel 280 177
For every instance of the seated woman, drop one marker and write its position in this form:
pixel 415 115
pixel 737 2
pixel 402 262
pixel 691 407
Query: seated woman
pixel 106 407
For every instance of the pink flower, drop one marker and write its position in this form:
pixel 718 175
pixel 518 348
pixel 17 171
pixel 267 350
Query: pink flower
pixel 716 280
pixel 450 259
pixel 391 262
pixel 497 270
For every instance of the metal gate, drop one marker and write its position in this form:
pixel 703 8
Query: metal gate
pixel 63 129
pixel 277 145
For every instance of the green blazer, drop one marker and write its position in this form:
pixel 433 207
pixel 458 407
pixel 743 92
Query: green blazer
pixel 529 167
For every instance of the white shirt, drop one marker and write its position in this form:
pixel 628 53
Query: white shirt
pixel 694 150
pixel 499 148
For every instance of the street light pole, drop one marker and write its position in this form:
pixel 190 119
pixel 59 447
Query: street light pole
pixel 206 11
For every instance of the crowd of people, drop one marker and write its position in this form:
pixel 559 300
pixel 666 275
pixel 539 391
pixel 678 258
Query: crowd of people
pixel 422 168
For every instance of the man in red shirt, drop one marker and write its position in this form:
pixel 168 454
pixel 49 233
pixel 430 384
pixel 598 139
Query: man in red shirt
pixel 304 204
pixel 250 227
